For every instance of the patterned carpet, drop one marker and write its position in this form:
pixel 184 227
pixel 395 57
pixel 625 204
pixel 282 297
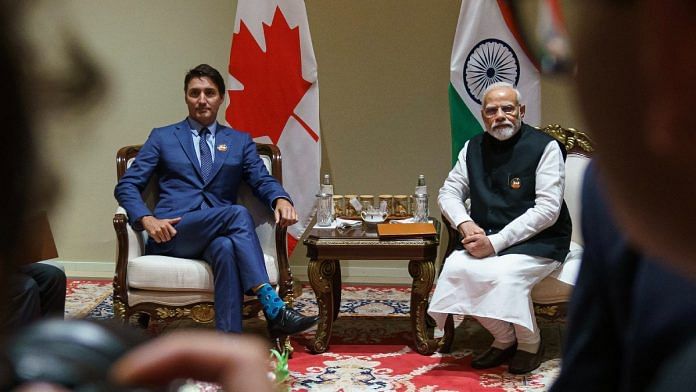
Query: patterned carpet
pixel 371 346
pixel 88 299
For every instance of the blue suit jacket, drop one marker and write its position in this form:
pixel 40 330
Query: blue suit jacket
pixel 170 154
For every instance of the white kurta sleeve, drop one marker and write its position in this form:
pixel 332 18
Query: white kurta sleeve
pixel 455 191
pixel 550 184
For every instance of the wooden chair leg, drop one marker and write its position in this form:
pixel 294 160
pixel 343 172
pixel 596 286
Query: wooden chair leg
pixel 429 321
pixel 448 337
pixel 143 320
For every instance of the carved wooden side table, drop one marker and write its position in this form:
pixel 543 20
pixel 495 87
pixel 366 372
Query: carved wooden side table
pixel 325 249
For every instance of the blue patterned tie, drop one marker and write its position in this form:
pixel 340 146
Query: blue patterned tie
pixel 206 156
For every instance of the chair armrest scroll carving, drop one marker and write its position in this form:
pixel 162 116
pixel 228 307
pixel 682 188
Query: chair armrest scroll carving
pixel 284 273
pixel 120 284
pixel 575 141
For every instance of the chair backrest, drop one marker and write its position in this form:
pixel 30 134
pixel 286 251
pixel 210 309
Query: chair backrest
pixel 263 217
pixel 580 149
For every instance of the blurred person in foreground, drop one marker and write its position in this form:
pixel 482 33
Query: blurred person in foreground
pixel 636 70
pixel 516 233
pixel 632 321
pixel 629 313
pixel 239 363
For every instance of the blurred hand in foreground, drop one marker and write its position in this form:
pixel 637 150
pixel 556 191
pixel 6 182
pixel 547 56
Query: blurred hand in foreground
pixel 237 363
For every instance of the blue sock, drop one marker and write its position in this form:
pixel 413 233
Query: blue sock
pixel 271 302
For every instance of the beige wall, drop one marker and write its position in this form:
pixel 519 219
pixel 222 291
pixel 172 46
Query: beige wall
pixel 383 71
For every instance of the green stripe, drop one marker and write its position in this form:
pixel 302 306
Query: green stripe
pixel 464 124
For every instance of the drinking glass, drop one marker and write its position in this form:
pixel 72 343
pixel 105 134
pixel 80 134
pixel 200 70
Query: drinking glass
pixel 324 215
pixel 420 213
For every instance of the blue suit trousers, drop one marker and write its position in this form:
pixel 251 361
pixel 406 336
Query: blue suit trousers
pixel 225 238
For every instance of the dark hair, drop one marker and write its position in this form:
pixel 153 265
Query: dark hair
pixel 205 70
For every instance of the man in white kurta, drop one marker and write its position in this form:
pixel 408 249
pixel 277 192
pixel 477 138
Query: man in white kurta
pixel 512 235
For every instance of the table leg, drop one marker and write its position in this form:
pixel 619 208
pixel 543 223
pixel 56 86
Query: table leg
pixel 337 289
pixel 321 278
pixel 423 274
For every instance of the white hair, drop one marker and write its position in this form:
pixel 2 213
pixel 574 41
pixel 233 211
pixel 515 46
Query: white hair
pixel 498 85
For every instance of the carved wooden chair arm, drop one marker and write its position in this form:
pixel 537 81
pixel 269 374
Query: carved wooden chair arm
pixel 120 285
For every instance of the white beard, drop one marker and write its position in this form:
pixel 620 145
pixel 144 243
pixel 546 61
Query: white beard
pixel 502 133
pixel 506 130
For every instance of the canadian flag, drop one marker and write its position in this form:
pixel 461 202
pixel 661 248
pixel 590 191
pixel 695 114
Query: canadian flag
pixel 274 93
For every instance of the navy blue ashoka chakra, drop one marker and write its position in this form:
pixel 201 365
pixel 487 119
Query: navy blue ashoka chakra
pixel 490 61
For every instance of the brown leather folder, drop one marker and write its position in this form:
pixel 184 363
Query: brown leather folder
pixel 405 230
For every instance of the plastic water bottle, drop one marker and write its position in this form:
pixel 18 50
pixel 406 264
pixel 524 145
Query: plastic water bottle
pixel 327 189
pixel 326 186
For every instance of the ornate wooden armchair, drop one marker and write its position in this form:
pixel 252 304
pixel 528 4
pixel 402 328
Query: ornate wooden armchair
pixel 161 288
pixel 551 295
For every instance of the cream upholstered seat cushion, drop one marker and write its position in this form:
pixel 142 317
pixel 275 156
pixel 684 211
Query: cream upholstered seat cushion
pixel 551 291
pixel 558 286
pixel 164 273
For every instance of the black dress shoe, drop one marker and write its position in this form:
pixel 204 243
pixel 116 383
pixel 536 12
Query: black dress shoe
pixel 524 361
pixel 289 322
pixel 493 357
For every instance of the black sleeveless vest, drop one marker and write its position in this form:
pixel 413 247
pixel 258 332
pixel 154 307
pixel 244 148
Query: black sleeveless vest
pixel 502 181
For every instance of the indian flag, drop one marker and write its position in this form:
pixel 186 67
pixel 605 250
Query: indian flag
pixel 487 49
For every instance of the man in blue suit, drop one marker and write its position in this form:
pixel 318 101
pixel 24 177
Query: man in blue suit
pixel 200 165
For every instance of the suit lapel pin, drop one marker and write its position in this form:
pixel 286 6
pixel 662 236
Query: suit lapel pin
pixel 515 183
pixel 222 147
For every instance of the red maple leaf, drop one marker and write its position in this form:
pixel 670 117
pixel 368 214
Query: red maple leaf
pixel 272 80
